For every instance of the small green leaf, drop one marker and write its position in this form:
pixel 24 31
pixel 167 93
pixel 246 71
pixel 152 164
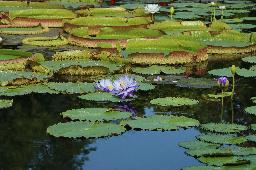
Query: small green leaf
pixel 100 97
pixel 174 101
pixel 4 103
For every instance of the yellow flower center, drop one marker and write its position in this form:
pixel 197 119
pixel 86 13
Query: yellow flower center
pixel 110 87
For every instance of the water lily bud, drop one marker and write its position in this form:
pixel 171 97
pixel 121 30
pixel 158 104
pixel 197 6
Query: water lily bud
pixel 172 10
pixel 233 69
pixel 223 82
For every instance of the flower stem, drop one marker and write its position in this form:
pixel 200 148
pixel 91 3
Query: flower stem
pixel 233 87
pixel 222 104
pixel 222 13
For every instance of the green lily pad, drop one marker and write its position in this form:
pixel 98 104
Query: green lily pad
pixel 221 72
pixel 246 73
pixel 251 138
pixel 162 122
pixel 100 97
pixel 191 82
pixel 220 95
pixel 174 101
pixel 222 139
pixel 4 103
pixel 84 129
pixel 253 126
pixel 197 144
pixel 253 99
pixel 223 127
pixel 243 151
pixel 223 161
pixel 155 69
pixel 95 114
pixel 209 152
pixel 251 59
pixel 251 110
pixel 72 88
pixel 146 86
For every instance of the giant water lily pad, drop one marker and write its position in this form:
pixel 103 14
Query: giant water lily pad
pixel 46 41
pixel 155 69
pixel 4 103
pixel 197 144
pixel 222 161
pixel 251 59
pixel 162 122
pixel 223 127
pixel 100 97
pixel 174 101
pixel 251 110
pixel 95 114
pixel 222 139
pixel 71 88
pixel 84 129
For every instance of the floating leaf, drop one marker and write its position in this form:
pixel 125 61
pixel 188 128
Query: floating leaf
pixel 155 69
pixel 146 86
pixel 253 99
pixel 246 73
pixel 4 103
pixel 72 88
pixel 162 122
pixel 223 161
pixel 220 95
pixel 174 101
pixel 251 59
pixel 196 82
pixel 95 114
pixel 222 139
pixel 100 97
pixel 251 138
pixel 209 152
pixel 84 129
pixel 221 72
pixel 251 110
pixel 197 144
pixel 244 151
pixel 223 127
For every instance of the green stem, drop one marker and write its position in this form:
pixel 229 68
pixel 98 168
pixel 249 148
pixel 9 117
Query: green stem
pixel 222 104
pixel 232 111
pixel 171 16
pixel 214 14
pixel 233 87
pixel 222 13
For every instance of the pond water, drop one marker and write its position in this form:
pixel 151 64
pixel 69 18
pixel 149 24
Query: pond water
pixel 26 145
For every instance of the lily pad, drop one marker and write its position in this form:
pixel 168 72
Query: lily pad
pixel 223 127
pixel 222 139
pixel 71 88
pixel 251 110
pixel 220 95
pixel 223 161
pixel 197 144
pixel 221 72
pixel 246 73
pixel 191 82
pixel 84 129
pixel 174 101
pixel 209 152
pixel 4 103
pixel 146 86
pixel 100 97
pixel 251 59
pixel 155 69
pixel 162 122
pixel 95 114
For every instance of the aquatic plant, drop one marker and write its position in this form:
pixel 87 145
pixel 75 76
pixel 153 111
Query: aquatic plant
pixel 223 127
pixel 152 9
pixel 5 103
pixel 46 41
pixel 172 11
pixel 251 110
pixel 84 129
pixel 123 87
pixel 222 139
pixel 95 114
pixel 213 14
pixel 250 59
pixel 71 88
pixel 155 69
pixel 224 161
pixel 174 101
pixel 161 122
pixel 222 8
pixel 209 152
pixel 197 144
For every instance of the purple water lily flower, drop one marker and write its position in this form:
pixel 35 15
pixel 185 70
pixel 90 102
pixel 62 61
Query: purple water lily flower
pixel 125 87
pixel 104 85
pixel 223 81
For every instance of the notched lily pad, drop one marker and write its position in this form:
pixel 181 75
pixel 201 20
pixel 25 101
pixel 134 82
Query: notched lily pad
pixel 95 114
pixel 223 127
pixel 162 122
pixel 251 59
pixel 251 110
pixel 222 139
pixel 84 129
pixel 197 144
pixel 174 101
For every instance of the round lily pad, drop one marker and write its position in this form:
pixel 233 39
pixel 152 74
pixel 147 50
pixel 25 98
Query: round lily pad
pixel 155 69
pixel 222 139
pixel 100 97
pixel 146 86
pixel 84 129
pixel 223 127
pixel 71 88
pixel 4 103
pixel 222 161
pixel 209 152
pixel 251 59
pixel 162 122
pixel 221 72
pixel 251 110
pixel 174 101
pixel 197 144
pixel 95 114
